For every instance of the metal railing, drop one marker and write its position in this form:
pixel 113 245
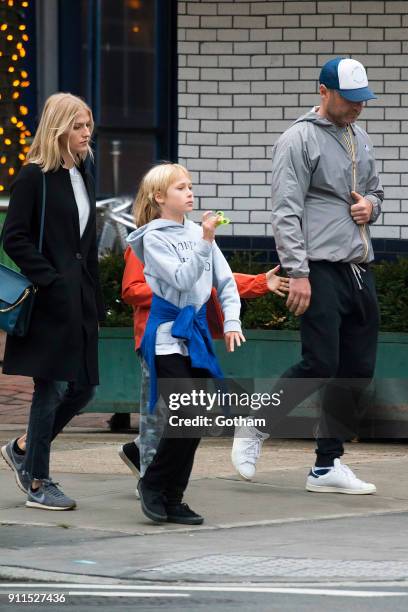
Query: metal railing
pixel 115 221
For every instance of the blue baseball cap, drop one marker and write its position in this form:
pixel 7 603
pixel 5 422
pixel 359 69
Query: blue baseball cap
pixel 348 77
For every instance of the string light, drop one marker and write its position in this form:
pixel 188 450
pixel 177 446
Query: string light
pixel 15 33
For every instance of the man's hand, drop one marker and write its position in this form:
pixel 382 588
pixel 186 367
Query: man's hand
pixel 231 338
pixel 299 295
pixel 361 210
pixel 277 284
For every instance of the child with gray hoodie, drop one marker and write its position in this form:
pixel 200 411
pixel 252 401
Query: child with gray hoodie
pixel 182 264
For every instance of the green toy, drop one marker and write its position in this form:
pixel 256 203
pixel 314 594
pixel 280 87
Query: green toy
pixel 224 220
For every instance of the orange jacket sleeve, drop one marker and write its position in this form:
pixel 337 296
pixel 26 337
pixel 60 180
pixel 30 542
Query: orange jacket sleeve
pixel 250 285
pixel 135 290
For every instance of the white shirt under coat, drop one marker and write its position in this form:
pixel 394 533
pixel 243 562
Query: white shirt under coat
pixel 81 197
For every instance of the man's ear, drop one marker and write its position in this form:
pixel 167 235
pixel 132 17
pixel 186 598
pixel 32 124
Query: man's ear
pixel 324 92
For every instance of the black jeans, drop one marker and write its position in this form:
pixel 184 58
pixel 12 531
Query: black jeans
pixel 171 466
pixel 339 345
pixel 54 404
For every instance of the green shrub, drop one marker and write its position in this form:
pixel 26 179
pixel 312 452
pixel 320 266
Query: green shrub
pixel 269 311
pixel 392 288
pixel 118 314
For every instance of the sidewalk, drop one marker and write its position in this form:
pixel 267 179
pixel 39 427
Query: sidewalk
pixel 268 529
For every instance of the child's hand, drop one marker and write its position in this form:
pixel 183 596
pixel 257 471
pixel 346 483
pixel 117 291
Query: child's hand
pixel 277 284
pixel 231 338
pixel 209 224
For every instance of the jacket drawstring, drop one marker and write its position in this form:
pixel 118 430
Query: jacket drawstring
pixel 357 270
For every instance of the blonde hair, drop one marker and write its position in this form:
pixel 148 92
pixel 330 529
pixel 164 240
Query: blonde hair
pixel 57 118
pixel 158 179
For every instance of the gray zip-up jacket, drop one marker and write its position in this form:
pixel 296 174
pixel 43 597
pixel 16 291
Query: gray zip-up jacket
pixel 312 180
pixel 182 268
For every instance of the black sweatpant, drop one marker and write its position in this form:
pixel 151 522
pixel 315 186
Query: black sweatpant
pixel 171 466
pixel 339 334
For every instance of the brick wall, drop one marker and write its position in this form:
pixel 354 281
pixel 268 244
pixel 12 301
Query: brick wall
pixel 248 68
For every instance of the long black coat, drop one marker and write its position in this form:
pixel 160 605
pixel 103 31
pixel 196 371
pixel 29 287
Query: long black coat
pixel 63 337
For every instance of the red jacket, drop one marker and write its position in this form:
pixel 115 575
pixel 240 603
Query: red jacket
pixel 137 293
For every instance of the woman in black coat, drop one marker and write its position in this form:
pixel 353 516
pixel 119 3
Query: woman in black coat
pixel 62 343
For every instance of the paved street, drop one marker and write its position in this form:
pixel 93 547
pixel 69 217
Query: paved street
pixel 267 545
pixel 221 598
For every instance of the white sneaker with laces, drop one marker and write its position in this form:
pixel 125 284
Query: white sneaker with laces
pixel 246 450
pixel 339 479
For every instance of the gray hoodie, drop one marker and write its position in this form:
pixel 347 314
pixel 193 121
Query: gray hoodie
pixel 312 180
pixel 182 268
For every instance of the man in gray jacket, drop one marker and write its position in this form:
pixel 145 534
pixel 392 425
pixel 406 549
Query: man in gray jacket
pixel 325 193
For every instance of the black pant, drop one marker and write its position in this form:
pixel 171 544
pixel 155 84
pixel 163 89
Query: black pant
pixel 339 342
pixel 54 405
pixel 171 466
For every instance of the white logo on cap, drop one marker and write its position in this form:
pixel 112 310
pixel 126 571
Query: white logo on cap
pixel 358 75
pixel 352 74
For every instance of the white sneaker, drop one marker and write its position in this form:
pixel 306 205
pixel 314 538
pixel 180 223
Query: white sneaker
pixel 246 450
pixel 339 479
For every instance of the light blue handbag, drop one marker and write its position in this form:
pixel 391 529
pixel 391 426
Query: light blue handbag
pixel 17 293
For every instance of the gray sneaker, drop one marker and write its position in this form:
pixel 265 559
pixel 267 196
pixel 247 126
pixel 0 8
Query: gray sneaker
pixel 16 462
pixel 49 497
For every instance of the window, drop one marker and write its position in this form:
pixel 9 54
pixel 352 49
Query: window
pixel 124 67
